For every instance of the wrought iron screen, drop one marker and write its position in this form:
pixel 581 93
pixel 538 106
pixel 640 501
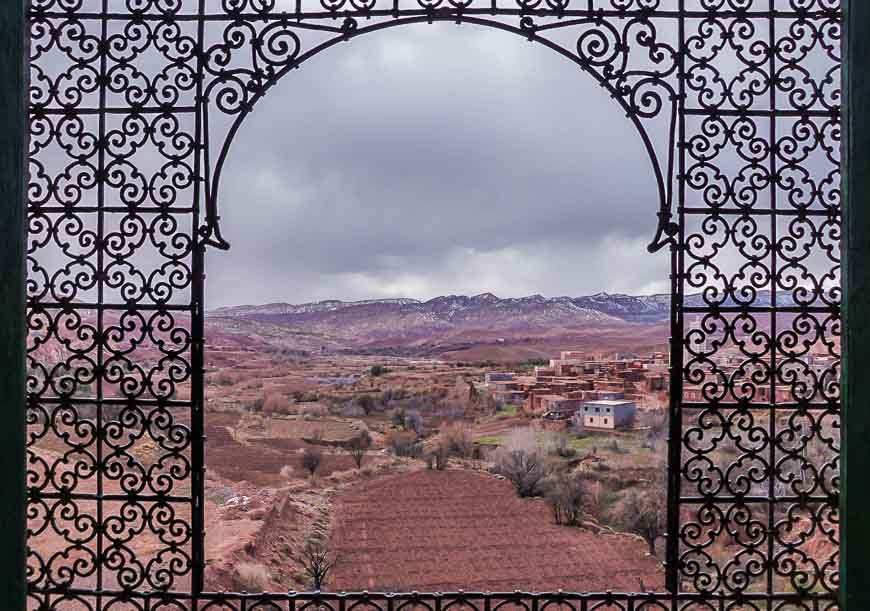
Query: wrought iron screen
pixel 134 104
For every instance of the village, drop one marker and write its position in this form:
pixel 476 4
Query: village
pixel 591 394
pixel 327 442
pixel 555 467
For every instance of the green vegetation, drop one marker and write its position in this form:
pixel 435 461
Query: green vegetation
pixel 602 501
pixel 627 450
pixel 530 364
pixel 630 449
pixel 508 411
pixel 378 370
pixel 491 440
pixel 586 444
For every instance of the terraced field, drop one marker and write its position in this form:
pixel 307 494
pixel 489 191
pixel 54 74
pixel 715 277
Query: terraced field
pixel 448 530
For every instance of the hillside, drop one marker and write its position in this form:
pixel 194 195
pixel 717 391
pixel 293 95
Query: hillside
pixel 484 309
pixel 478 327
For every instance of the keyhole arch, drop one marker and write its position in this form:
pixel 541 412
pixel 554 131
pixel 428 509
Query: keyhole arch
pixel 211 230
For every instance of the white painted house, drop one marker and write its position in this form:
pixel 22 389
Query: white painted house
pixel 607 413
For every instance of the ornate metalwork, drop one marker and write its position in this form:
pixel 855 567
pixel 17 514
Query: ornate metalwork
pixel 134 105
pixel 470 601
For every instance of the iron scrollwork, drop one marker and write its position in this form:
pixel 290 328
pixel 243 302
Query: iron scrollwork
pixel 736 103
pixel 624 55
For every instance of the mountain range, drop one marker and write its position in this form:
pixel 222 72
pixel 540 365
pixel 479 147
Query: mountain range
pixel 463 309
pixel 629 308
pixel 481 324
pixel 461 326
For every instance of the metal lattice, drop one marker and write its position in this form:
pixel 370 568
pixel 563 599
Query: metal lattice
pixel 134 105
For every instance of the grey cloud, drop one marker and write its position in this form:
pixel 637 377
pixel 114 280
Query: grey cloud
pixel 435 159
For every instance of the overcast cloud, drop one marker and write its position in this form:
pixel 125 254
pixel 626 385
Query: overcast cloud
pixel 435 159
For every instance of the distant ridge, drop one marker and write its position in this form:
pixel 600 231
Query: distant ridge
pixel 600 306
pixel 479 327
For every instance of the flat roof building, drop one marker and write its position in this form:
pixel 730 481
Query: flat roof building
pixel 607 414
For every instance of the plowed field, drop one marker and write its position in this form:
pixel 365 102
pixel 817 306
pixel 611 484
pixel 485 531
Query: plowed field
pixel 262 460
pixel 448 530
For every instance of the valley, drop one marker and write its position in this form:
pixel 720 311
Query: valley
pixel 287 381
pixel 379 438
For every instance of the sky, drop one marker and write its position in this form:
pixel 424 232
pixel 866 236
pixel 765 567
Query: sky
pixel 435 159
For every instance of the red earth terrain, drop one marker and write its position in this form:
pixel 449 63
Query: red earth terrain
pixel 450 530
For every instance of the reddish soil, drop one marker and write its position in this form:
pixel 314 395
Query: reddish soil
pixel 329 430
pixel 448 530
pixel 589 338
pixel 501 426
pixel 261 461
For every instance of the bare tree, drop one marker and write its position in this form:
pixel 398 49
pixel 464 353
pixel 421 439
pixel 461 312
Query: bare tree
pixel 523 462
pixel 404 444
pixel 358 445
pixel 437 459
pixel 457 440
pixel 644 513
pixel 560 445
pixel 523 438
pixel 311 459
pixel 565 495
pixel 413 422
pixel 525 470
pixel 367 403
pixel 317 561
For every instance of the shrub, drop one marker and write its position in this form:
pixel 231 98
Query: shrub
pixel 437 459
pixel 224 377
pixel 252 577
pixel 456 441
pixel 525 470
pixel 311 459
pixel 559 446
pixel 257 404
pixel 300 396
pixel 600 498
pixel 414 422
pixel 378 370
pixel 317 560
pixel 358 445
pixel 615 447
pixel 366 403
pixel 393 394
pixel 404 444
pixel 565 494
pixel 644 513
pixel 398 416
